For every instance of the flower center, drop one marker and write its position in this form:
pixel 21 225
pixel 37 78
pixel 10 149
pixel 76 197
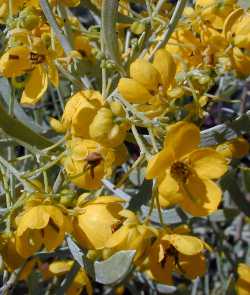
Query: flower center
pixel 180 171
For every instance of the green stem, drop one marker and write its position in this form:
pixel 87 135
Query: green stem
pixel 170 27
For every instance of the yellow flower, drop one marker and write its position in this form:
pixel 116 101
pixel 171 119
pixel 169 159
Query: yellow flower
pixel 88 162
pixel 12 259
pixel 129 235
pixel 243 282
pixel 96 221
pixel 15 62
pixel 185 172
pixel 42 225
pixel 214 12
pixel 80 281
pixel 109 128
pixel 173 252
pixel 237 32
pixel 235 148
pixel 148 80
pixel 79 112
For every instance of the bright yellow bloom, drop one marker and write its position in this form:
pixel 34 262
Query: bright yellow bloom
pixel 148 81
pixel 96 221
pixel 12 259
pixel 237 32
pixel 79 112
pixel 214 12
pixel 80 281
pixel 243 282
pixel 130 235
pixel 88 162
pixel 15 62
pixel 185 172
pixel 42 225
pixel 108 127
pixel 235 148
pixel 173 252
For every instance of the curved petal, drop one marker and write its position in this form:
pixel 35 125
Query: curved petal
pixel 28 243
pixel 186 245
pixel 165 64
pixel 201 197
pixel 35 87
pixel 133 91
pixel 35 218
pixel 169 189
pixel 52 237
pixel 187 264
pixel 145 73
pixel 208 163
pixel 182 138
pixel 158 163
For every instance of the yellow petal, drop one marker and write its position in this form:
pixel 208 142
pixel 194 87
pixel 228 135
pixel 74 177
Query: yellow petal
pixel 133 91
pixel 158 163
pixel 208 163
pixel 182 138
pixel 200 197
pixel 145 73
pixel 117 238
pixel 186 245
pixel 35 87
pixel 169 189
pixel 164 63
pixel 35 218
pixel 52 237
pixel 187 264
pixel 28 243
pixel 60 267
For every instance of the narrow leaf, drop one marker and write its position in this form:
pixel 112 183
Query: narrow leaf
pixel 109 35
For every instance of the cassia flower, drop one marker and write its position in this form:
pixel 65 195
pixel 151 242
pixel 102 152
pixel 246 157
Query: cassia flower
pixel 185 172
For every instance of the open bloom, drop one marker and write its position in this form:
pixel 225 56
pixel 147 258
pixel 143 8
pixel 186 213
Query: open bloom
pixel 96 221
pixel 176 252
pixel 41 225
pixel 185 172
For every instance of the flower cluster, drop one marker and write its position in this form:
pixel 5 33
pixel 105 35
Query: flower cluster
pixel 107 139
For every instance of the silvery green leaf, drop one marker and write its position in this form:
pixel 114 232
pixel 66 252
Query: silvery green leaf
pixel 114 269
pixel 164 289
pixel 18 130
pixel 116 191
pixel 245 4
pixel 137 176
pixel 80 256
pixel 68 279
pixel 229 183
pixel 109 35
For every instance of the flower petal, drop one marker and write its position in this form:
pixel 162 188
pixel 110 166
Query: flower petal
pixel 133 91
pixel 201 197
pixel 186 245
pixel 158 163
pixel 35 87
pixel 182 138
pixel 164 63
pixel 208 163
pixel 145 73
